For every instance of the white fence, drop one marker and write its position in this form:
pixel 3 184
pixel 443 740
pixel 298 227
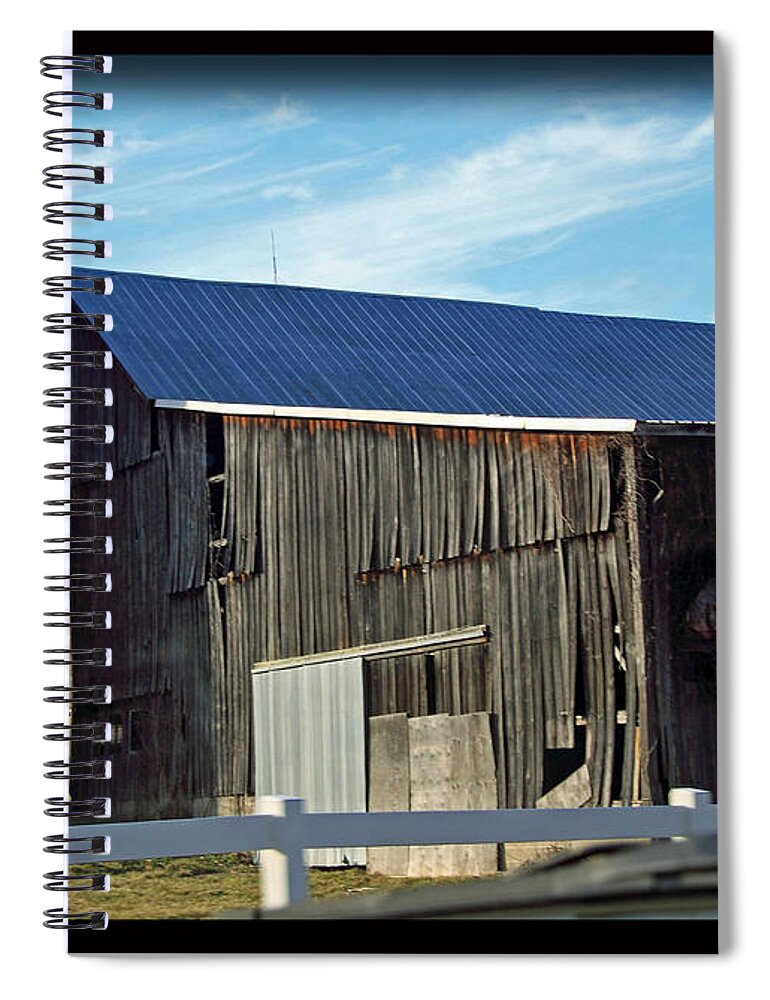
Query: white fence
pixel 282 830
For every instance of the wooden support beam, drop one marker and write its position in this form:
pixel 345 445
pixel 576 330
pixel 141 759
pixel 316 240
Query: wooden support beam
pixel 413 646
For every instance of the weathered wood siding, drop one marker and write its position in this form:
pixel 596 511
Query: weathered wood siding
pixel 373 495
pixel 341 534
pixel 167 630
pixel 678 557
pixel 246 539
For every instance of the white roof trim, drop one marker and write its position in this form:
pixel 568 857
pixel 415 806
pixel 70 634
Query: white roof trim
pixel 682 423
pixel 494 421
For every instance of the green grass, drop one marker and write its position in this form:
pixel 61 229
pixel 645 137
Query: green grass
pixel 195 888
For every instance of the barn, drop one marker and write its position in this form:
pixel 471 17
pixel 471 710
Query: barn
pixel 493 511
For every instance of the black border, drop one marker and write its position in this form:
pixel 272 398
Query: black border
pixel 401 937
pixel 397 43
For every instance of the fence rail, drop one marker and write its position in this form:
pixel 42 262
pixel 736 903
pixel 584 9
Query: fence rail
pixel 281 830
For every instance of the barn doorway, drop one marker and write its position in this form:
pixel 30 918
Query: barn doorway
pixel 309 741
pixel 310 736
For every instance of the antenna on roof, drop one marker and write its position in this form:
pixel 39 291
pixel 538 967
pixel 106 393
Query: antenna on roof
pixel 275 263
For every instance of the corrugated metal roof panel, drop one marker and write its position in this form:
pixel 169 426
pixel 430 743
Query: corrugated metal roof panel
pixel 280 345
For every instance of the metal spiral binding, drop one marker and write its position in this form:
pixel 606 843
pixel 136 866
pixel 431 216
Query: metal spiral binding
pixel 57 138
pixel 79 619
pixel 86 807
pixel 53 66
pixel 93 472
pixel 68 322
pixel 63 882
pixel 83 395
pixel 64 173
pixel 58 211
pixel 76 471
pixel 64 284
pixel 73 508
pixel 59 361
pixel 83 544
pixel 76 246
pixel 86 694
pixel 57 100
pixel 96 920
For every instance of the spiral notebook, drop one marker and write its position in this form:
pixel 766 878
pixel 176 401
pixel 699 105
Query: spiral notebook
pixel 386 517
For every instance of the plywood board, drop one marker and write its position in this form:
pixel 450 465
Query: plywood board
pixel 573 792
pixel 388 785
pixel 451 766
pixel 474 786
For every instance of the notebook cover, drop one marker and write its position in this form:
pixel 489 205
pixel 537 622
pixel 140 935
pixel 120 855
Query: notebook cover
pixel 412 391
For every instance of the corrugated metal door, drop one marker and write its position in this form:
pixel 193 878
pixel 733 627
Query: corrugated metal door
pixel 309 742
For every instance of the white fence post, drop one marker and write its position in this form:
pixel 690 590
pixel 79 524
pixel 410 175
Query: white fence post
pixel 695 799
pixel 283 871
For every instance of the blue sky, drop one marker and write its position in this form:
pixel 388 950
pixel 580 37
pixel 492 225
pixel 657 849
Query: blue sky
pixel 583 184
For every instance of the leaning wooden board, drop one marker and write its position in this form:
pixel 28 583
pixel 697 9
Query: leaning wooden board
pixel 451 766
pixel 388 785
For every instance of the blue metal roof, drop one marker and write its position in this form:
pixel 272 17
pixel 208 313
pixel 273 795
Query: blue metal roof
pixel 278 345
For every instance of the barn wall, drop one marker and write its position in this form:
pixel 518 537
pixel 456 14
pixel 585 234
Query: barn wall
pixel 246 539
pixel 340 534
pixel 168 672
pixel 387 494
pixel 679 558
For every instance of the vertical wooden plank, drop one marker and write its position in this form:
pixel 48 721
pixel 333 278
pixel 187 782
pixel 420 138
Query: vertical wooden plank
pixel 631 517
pixel 608 660
pixel 513 688
pixel 546 622
pixel 506 498
pixel 597 713
pixel 367 492
pixel 619 570
pixel 567 648
pixel 471 495
pixel 586 653
pixel 549 470
pixel 493 494
pixel 389 495
pixel 452 498
pixel 538 485
pixel 528 486
pixel 493 572
pixel 427 493
pixel 524 675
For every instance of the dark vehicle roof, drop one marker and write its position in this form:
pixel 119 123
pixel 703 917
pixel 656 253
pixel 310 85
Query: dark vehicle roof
pixel 663 879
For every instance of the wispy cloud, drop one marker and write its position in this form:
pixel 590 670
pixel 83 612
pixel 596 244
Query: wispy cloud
pixel 137 144
pixel 287 112
pixel 294 192
pixel 507 201
pixel 172 179
pixel 240 189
